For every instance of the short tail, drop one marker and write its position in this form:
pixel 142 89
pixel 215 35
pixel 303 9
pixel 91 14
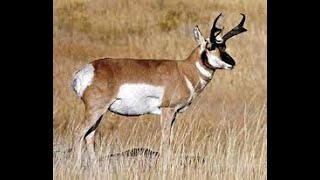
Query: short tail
pixel 82 79
pixel 75 84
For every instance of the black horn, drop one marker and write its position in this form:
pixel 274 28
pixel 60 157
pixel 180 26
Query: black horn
pixel 237 30
pixel 215 30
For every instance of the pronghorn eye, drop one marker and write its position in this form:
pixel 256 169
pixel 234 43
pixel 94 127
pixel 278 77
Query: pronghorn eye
pixel 222 47
pixel 219 40
pixel 210 46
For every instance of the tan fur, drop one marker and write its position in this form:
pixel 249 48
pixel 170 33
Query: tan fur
pixel 110 74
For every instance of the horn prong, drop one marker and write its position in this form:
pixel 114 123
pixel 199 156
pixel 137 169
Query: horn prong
pixel 236 30
pixel 215 31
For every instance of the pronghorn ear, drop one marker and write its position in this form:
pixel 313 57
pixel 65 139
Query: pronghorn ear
pixel 198 35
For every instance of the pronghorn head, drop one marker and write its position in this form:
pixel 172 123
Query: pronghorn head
pixel 213 49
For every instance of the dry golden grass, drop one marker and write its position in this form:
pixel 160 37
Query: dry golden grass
pixel 225 126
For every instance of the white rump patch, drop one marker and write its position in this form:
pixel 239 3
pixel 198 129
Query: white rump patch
pixel 138 99
pixel 203 71
pixel 82 79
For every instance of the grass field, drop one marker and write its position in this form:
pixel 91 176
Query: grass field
pixel 223 135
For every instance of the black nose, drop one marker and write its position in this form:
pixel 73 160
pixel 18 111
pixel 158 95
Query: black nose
pixel 227 58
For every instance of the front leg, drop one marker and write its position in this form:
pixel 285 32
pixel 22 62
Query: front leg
pixel 167 120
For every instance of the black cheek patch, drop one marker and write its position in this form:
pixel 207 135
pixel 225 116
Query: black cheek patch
pixel 227 58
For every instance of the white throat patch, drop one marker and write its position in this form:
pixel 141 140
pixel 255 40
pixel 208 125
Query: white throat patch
pixel 203 71
pixel 190 87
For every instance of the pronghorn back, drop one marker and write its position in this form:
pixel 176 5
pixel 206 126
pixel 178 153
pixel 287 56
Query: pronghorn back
pixel 144 86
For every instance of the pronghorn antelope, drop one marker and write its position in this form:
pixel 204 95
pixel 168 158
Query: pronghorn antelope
pixel 133 87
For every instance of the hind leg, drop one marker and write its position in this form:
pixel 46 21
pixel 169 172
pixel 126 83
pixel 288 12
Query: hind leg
pixel 86 130
pixel 93 115
pixel 111 124
pixel 89 138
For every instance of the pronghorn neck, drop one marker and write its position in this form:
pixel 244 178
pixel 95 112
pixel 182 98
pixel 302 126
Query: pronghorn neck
pixel 196 56
pixel 204 70
pixel 203 67
pixel 196 70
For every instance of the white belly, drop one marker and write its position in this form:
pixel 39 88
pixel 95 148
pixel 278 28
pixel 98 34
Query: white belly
pixel 138 99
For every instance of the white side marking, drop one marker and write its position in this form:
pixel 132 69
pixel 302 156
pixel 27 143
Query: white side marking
pixel 138 99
